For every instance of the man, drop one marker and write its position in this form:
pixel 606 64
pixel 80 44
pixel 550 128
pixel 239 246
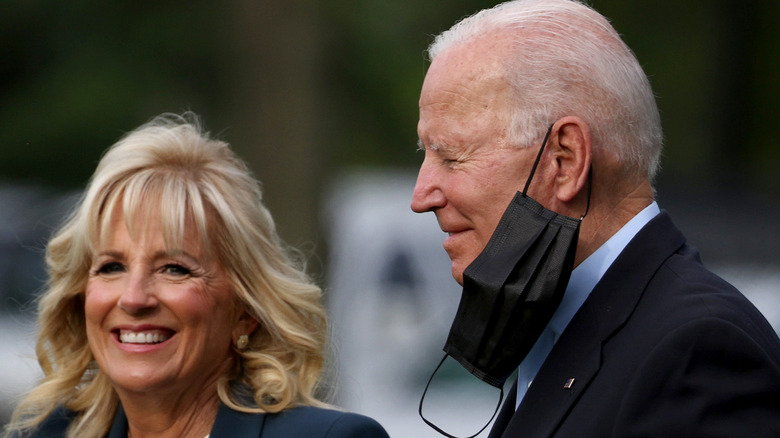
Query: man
pixel 646 341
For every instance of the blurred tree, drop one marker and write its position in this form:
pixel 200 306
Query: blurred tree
pixel 272 104
pixel 75 75
pixel 375 66
pixel 713 66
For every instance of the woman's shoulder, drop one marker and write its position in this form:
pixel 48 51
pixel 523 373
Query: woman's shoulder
pixel 53 426
pixel 308 421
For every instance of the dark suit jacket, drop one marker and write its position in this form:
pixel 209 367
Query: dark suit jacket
pixel 300 422
pixel 661 348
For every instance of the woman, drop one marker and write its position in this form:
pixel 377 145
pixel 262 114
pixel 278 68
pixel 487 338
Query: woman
pixel 172 308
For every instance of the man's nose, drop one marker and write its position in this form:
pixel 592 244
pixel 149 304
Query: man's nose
pixel 427 195
pixel 138 293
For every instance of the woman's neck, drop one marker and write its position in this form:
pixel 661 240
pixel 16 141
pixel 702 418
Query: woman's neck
pixel 179 417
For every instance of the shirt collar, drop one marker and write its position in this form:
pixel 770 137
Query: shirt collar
pixel 585 277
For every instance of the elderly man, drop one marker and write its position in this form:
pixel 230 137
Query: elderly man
pixel 543 97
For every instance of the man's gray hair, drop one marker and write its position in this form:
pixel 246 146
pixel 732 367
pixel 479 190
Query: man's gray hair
pixel 566 59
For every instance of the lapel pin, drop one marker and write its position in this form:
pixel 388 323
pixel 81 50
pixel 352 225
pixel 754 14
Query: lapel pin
pixel 569 383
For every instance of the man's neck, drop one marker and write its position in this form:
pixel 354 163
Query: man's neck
pixel 608 214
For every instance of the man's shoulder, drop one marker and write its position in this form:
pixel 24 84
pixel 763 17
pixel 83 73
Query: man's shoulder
pixel 682 295
pixel 660 284
pixel 672 275
pixel 688 283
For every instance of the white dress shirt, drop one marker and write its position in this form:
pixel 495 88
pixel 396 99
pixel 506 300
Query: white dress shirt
pixel 583 280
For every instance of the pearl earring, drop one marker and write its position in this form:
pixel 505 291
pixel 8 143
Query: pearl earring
pixel 242 342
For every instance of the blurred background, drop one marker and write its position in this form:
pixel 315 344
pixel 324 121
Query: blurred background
pixel 320 97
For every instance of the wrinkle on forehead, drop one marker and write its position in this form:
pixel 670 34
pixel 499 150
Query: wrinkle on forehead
pixel 465 88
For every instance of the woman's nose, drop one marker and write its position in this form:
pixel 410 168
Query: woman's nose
pixel 137 295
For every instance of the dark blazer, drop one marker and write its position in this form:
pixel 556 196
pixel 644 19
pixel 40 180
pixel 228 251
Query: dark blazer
pixel 300 422
pixel 661 348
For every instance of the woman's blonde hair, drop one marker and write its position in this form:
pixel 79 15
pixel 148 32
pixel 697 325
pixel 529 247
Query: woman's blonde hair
pixel 171 165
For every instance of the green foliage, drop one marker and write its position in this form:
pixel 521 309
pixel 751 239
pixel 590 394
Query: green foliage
pixel 74 75
pixel 375 69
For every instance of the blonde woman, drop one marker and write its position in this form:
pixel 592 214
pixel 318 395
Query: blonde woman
pixel 173 309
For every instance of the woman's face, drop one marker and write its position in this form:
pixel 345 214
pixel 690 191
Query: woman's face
pixel 159 320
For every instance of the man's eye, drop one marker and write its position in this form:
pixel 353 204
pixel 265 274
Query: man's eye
pixel 111 268
pixel 174 269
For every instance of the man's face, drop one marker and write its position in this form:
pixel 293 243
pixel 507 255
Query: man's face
pixel 469 173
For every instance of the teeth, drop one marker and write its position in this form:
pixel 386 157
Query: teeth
pixel 142 337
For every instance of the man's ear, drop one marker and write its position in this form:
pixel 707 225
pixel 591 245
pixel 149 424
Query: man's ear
pixel 572 153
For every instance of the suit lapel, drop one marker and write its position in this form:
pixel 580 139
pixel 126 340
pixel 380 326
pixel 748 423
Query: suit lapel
pixel 577 354
pixel 119 426
pixel 229 424
pixel 552 392
pixel 234 424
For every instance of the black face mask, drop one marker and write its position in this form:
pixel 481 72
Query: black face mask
pixel 512 289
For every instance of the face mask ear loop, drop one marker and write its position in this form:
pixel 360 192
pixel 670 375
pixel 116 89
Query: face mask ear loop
pixel 590 189
pixel 538 157
pixel 437 428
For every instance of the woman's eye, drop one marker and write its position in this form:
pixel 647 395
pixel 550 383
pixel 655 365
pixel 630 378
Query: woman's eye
pixel 111 268
pixel 174 269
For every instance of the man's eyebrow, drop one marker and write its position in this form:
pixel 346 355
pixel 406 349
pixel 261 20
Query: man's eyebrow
pixel 433 147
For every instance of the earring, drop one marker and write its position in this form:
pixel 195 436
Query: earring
pixel 242 342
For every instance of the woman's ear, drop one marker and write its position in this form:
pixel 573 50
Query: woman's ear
pixel 246 325
pixel 572 152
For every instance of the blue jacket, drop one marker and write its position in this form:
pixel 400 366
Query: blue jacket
pixel 303 422
pixel 662 347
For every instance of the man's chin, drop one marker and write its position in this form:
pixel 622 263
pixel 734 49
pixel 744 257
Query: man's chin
pixel 457 274
pixel 460 261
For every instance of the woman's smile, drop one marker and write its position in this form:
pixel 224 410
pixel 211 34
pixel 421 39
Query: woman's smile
pixel 143 336
pixel 157 317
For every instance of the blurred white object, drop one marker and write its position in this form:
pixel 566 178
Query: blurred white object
pixel 28 214
pixel 18 368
